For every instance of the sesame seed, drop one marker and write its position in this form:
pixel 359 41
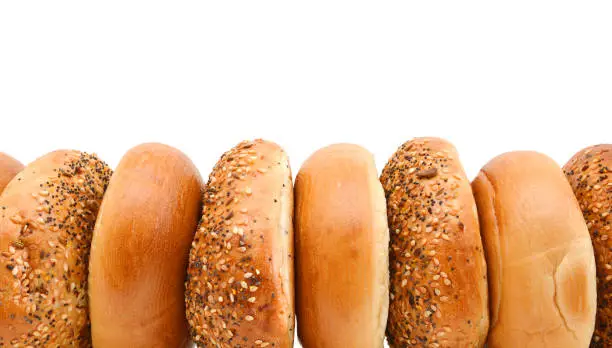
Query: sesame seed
pixel 249 318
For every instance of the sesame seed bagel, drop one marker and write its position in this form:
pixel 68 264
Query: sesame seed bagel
pixel 342 248
pixel 539 254
pixel 240 276
pixel 590 175
pixel 47 215
pixel 437 266
pixel 140 249
pixel 9 167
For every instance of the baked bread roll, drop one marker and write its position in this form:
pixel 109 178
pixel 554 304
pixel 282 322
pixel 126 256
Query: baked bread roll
pixel 540 259
pixel 240 275
pixel 47 216
pixel 590 175
pixel 9 167
pixel 140 249
pixel 342 244
pixel 437 266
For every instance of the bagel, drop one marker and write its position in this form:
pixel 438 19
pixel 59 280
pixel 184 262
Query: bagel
pixel 540 258
pixel 140 248
pixel 437 266
pixel 47 216
pixel 342 247
pixel 590 175
pixel 239 290
pixel 9 167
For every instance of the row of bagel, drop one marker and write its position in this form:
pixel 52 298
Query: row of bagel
pixel 148 255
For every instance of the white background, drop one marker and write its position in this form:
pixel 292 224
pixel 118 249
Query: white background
pixel 489 77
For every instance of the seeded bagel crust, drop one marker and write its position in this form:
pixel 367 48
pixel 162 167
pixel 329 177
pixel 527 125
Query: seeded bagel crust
pixel 437 266
pixel 342 247
pixel 590 175
pixel 9 167
pixel 240 276
pixel 47 215
pixel 541 265
pixel 140 248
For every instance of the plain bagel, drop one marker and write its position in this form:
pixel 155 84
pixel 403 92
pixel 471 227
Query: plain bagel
pixel 47 216
pixel 9 167
pixel 342 243
pixel 240 276
pixel 140 249
pixel 540 258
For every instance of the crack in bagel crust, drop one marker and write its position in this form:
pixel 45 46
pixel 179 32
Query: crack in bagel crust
pixel 44 241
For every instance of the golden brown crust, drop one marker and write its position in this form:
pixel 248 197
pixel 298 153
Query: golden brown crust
pixel 540 259
pixel 240 276
pixel 47 215
pixel 590 175
pixel 342 244
pixel 437 266
pixel 140 250
pixel 9 167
